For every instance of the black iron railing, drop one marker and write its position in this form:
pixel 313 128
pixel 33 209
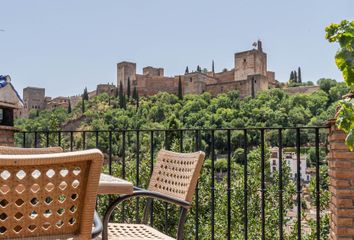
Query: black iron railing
pixel 142 145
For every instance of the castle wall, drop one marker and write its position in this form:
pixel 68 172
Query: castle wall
pixel 106 88
pixel 149 85
pixel 195 83
pixel 153 71
pixel 218 88
pixel 225 76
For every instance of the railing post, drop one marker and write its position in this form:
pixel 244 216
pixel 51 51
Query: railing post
pixel 341 186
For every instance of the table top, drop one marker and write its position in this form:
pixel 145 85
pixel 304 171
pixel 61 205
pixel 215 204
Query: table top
pixel 113 185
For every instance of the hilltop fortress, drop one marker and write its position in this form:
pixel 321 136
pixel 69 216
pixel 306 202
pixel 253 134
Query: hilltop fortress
pixel 249 76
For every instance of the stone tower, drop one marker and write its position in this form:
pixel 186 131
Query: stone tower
pixel 252 62
pixel 126 70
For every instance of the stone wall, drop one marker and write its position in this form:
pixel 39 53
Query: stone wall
pixel 110 89
pixel 301 89
pixel 149 85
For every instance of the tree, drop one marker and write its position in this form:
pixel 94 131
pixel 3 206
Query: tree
pixel 213 67
pixel 299 75
pixel 128 88
pixel 199 69
pixel 326 84
pixel 121 96
pixel 69 107
pixel 137 100
pixel 135 93
pixel 116 92
pixel 291 79
pixel 85 95
pixel 295 77
pixel 180 90
pixel 343 33
pixel 83 106
pixel 187 70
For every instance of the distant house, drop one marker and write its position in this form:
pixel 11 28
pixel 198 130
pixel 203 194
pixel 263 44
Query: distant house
pixel 290 158
pixel 10 101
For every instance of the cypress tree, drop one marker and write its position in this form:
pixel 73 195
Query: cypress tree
pixel 213 67
pixel 295 77
pixel 124 102
pixel 121 96
pixel 116 93
pixel 291 77
pixel 299 75
pixel 180 91
pixel 85 95
pixel 135 93
pixel 187 70
pixel 199 69
pixel 137 100
pixel 83 106
pixel 69 107
pixel 128 88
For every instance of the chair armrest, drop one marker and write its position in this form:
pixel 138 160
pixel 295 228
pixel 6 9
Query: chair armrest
pixel 98 226
pixel 156 195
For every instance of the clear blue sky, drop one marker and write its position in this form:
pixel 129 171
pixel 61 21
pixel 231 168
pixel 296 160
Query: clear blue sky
pixel 66 45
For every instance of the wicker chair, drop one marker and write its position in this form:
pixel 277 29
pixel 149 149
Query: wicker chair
pixel 18 150
pixel 48 196
pixel 174 179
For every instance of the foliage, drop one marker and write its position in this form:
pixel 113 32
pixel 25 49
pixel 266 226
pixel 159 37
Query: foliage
pixel 343 33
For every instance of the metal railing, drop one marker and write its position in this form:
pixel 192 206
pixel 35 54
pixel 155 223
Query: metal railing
pixel 123 143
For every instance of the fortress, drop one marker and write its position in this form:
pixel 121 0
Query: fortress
pixel 249 76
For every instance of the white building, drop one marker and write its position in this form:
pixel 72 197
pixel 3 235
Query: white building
pixel 290 159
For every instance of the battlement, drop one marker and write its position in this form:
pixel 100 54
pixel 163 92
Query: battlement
pixel 151 71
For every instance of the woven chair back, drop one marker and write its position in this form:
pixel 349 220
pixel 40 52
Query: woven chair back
pixel 48 195
pixel 17 150
pixel 176 174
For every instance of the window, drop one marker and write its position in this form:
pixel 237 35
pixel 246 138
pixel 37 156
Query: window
pixel 274 163
pixel 190 79
pixel 244 60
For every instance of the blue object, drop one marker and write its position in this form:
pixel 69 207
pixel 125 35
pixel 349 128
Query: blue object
pixel 3 81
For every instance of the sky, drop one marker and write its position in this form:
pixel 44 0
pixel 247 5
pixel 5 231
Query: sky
pixel 65 46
